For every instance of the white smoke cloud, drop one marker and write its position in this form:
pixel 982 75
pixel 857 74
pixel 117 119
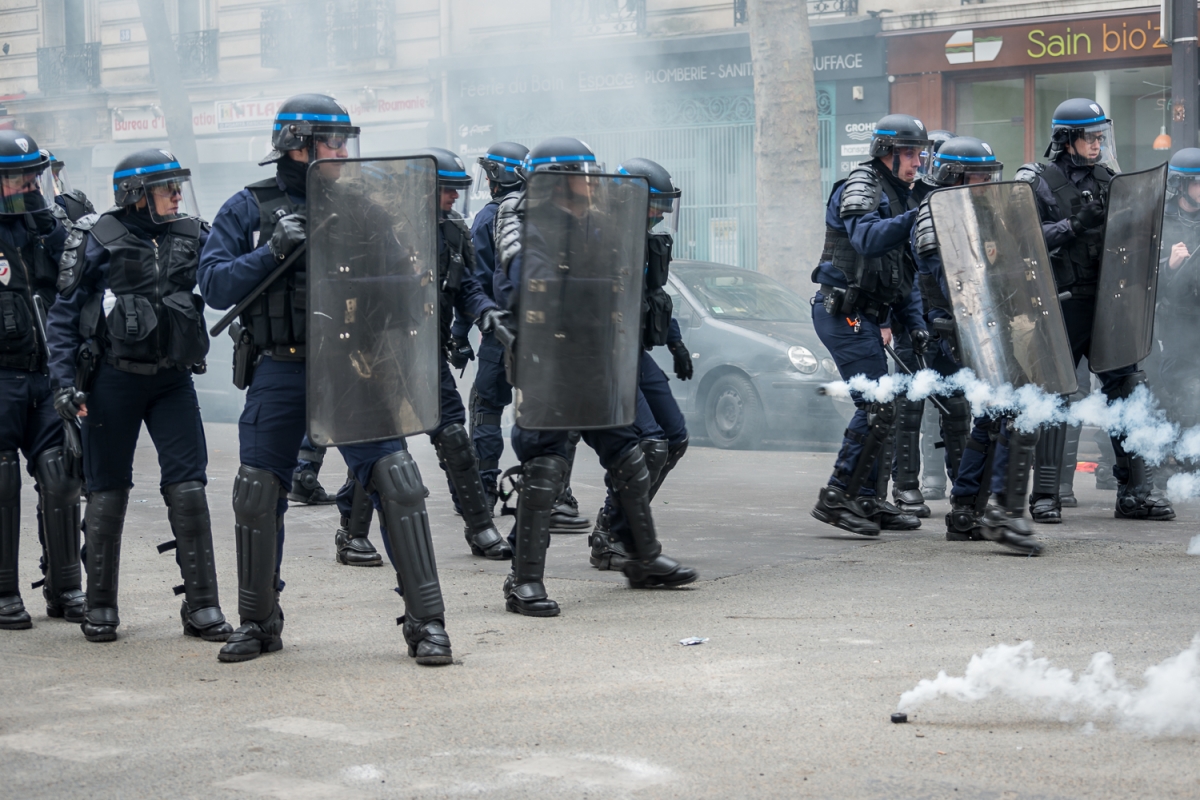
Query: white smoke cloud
pixel 1183 486
pixel 1194 546
pixel 1167 703
pixel 1147 430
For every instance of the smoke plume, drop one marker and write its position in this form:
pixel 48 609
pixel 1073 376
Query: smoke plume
pixel 1167 702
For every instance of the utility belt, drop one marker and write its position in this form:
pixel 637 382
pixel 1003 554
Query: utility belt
pixel 31 362
pixel 247 357
pixel 851 301
pixel 141 367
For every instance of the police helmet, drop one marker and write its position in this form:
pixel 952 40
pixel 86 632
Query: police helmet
pixel 963 157
pixel 1183 167
pixel 304 120
pixel 25 174
pixel 156 177
pixel 936 140
pixel 1082 119
pixel 898 130
pixel 62 185
pixel 664 194
pixel 452 173
pixel 501 164
pixel 561 154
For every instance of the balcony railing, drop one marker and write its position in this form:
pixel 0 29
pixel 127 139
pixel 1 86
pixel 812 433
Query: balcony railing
pixel 315 35
pixel 599 17
pixel 75 66
pixel 832 8
pixel 198 54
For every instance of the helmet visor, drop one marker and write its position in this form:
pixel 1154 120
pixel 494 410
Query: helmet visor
pixel 26 191
pixel 1093 144
pixel 455 199
pixel 664 214
pixel 587 164
pixel 62 183
pixel 171 198
pixel 335 143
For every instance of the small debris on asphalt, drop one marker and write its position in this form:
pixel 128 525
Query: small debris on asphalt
pixel 899 717
pixel 691 640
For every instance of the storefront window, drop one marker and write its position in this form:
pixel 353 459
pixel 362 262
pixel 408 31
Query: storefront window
pixel 994 111
pixel 1132 98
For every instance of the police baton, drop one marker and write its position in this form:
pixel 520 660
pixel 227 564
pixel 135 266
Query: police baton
pixel 234 312
pixel 904 368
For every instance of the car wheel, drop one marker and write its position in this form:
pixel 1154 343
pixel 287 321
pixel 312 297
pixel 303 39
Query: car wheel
pixel 733 414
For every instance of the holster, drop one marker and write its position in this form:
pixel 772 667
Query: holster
pixel 244 359
pixel 87 364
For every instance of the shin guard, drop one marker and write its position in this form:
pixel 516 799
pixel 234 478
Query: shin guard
pixel 402 500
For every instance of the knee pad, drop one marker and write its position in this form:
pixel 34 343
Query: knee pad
pixel 52 468
pixel 542 481
pixel 256 493
pixel 454 448
pixel 882 414
pixel 630 472
pixel 675 453
pixel 958 421
pixel 187 506
pixel 1127 384
pixel 397 479
pixel 10 478
pixel 107 509
pixel 910 413
pixel 656 453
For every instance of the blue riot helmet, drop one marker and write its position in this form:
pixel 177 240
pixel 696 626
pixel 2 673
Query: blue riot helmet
pixel 58 169
pixel 315 123
pixel 895 132
pixel 664 195
pixel 1080 130
pixel 561 154
pixel 500 167
pixel 965 160
pixel 154 180
pixel 26 181
pixel 936 140
pixel 1183 170
pixel 451 177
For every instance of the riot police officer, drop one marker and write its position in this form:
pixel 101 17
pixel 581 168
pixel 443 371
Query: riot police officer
pixel 867 277
pixel 253 235
pixel 72 200
pixel 129 312
pixel 1071 192
pixel 996 456
pixel 32 236
pixel 543 453
pixel 460 294
pixel 1177 319
pixel 664 434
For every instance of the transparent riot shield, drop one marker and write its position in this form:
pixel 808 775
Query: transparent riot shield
pixel 1010 325
pixel 583 256
pixel 1123 329
pixel 372 299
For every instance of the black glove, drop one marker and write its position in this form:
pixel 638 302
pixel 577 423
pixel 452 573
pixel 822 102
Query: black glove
pixel 1089 217
pixel 921 339
pixel 459 351
pixel 290 233
pixel 683 360
pixel 44 222
pixel 67 402
pixel 491 319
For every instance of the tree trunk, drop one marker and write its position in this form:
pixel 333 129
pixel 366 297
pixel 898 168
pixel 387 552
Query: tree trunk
pixel 790 208
pixel 172 97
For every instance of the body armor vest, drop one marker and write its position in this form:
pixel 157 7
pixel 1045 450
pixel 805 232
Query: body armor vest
pixel 77 205
pixel 25 272
pixel 656 303
pixel 882 281
pixel 455 259
pixel 1077 263
pixel 153 319
pixel 277 319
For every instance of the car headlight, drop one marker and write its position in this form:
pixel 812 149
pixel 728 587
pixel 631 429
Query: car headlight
pixel 803 359
pixel 830 366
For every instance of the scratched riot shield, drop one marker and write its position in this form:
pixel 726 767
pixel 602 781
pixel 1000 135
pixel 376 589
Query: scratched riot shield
pixel 583 255
pixel 1123 329
pixel 372 299
pixel 1010 325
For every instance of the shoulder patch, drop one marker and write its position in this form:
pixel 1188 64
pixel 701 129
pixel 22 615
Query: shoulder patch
pixel 861 193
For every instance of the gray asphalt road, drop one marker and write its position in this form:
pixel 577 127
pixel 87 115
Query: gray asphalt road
pixel 812 638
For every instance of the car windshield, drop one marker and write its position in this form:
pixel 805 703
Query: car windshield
pixel 742 294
